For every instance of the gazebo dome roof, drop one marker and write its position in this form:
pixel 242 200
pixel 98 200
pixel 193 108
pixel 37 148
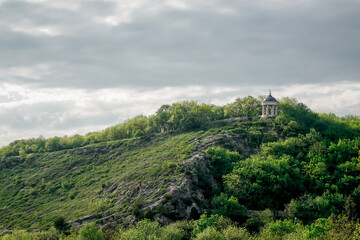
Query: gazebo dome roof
pixel 270 98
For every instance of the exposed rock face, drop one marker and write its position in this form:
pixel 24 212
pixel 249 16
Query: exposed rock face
pixel 186 195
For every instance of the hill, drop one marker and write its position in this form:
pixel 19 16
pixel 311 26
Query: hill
pixel 111 178
pixel 185 160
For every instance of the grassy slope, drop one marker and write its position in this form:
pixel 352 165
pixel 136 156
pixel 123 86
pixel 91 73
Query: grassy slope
pixel 66 183
pixel 73 183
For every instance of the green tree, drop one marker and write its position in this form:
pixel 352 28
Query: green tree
pixel 143 230
pixel 210 233
pixel 60 224
pixel 221 160
pixel 265 182
pixel 236 233
pixel 204 222
pixel 53 144
pixel 90 232
pixel 229 206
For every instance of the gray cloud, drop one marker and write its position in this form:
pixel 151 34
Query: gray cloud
pixel 233 43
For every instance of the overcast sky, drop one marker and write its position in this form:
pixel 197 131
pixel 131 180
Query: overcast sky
pixel 71 67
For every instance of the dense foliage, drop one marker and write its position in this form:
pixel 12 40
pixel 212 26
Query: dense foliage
pixel 298 174
pixel 208 228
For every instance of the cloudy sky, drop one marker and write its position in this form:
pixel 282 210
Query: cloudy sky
pixel 71 67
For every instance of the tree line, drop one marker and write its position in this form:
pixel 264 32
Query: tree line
pixel 179 116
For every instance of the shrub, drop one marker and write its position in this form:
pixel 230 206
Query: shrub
pixel 204 222
pixel 284 230
pixel 98 206
pixel 148 214
pixel 136 207
pixel 51 234
pixel 281 228
pixel 229 206
pixel 73 194
pixel 259 220
pixel 337 227
pixel 172 233
pixel 143 230
pixel 235 233
pixel 310 208
pixel 210 233
pixel 60 224
pixel 90 232
pixel 17 235
pixel 185 226
pixel 221 161
pixel 318 228
pixel 223 223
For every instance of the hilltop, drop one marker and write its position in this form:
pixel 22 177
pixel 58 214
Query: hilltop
pixel 183 161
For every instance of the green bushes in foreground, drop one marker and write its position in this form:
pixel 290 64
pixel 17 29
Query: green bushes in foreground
pixel 213 227
pixel 51 234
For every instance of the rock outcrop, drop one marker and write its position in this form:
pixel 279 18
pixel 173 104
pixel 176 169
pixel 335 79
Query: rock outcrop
pixel 185 195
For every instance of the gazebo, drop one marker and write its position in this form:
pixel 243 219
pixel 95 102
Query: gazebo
pixel 270 107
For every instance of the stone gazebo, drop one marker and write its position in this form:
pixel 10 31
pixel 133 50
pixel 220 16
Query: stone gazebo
pixel 270 107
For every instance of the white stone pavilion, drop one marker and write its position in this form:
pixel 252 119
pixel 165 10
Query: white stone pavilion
pixel 270 108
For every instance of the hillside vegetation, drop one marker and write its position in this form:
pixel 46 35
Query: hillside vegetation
pixel 296 177
pixel 181 116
